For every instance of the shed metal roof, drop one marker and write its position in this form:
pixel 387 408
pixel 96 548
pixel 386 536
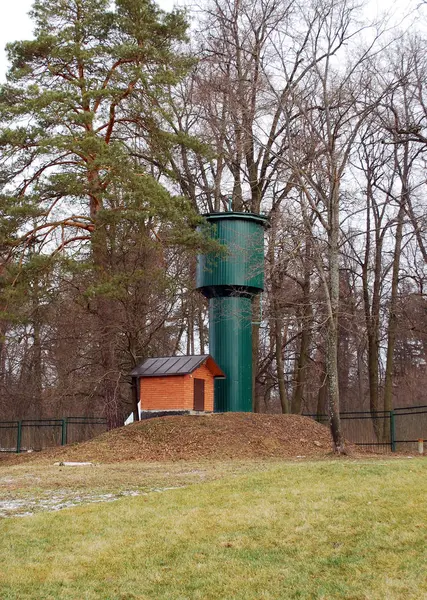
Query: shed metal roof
pixel 175 365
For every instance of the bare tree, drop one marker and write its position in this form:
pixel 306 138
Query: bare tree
pixel 322 126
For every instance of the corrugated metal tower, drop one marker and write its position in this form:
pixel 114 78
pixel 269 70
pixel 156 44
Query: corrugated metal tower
pixel 231 279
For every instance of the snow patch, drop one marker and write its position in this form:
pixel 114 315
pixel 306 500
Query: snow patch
pixel 24 507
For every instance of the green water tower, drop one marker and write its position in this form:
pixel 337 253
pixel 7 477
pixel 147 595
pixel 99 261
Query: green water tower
pixel 231 279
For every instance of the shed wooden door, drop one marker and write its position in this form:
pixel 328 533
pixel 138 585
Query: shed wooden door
pixel 199 394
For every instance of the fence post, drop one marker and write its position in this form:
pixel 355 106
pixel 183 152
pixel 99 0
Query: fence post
pixel 392 431
pixel 19 438
pixel 64 432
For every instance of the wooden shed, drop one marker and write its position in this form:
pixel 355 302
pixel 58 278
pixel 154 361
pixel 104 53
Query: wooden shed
pixel 177 383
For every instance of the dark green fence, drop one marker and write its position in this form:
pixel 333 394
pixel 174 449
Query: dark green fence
pixel 384 431
pixel 397 430
pixel 36 434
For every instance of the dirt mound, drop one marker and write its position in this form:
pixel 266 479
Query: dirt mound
pixel 217 436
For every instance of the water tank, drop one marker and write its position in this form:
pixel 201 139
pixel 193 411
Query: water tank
pixel 230 278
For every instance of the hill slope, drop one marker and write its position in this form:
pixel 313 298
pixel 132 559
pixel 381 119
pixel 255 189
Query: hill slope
pixel 216 436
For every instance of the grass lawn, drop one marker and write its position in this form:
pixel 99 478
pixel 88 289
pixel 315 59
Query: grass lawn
pixel 333 530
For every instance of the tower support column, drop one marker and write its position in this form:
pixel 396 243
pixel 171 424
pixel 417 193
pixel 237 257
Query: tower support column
pixel 230 345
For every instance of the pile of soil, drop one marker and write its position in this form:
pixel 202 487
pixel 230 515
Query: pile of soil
pixel 217 436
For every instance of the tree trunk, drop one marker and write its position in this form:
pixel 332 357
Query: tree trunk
pixel 201 326
pixel 304 356
pixel 135 398
pixel 107 315
pixel 284 402
pixel 360 375
pixel 301 374
pixel 37 358
pixel 333 404
pixel 110 372
pixel 2 354
pixel 322 395
pixel 372 310
pixel 392 322
pixel 37 370
pixel 332 326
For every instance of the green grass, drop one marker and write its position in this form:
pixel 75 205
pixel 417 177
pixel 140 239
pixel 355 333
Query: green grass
pixel 327 530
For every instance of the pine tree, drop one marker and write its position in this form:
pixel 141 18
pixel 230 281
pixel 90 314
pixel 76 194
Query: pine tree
pixel 89 87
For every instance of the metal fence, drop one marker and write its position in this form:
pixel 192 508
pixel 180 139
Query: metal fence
pixel 36 434
pixel 398 430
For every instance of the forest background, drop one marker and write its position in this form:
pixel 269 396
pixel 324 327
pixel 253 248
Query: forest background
pixel 120 124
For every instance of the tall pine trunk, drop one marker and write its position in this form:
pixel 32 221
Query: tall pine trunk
pixel 106 312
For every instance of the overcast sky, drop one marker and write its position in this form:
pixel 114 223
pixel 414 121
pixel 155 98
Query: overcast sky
pixel 16 25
